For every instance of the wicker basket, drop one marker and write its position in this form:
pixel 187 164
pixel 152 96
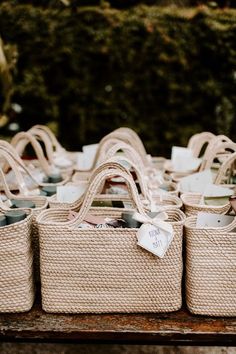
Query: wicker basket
pixel 192 205
pixel 16 267
pixel 103 270
pixel 211 269
pixel 40 202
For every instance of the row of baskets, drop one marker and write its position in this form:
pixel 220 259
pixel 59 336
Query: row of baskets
pixel 85 264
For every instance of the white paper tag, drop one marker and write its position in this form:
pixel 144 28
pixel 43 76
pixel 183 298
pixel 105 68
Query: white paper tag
pixel 80 161
pixel 89 154
pixel 196 182
pixel 212 190
pixel 128 205
pixel 180 152
pixel 154 240
pixel 62 161
pixel 3 197
pixel 69 194
pixel 117 190
pixel 213 220
pixel 182 159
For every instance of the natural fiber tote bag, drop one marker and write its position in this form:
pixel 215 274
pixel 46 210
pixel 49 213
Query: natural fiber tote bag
pixel 211 269
pixel 16 266
pixel 40 202
pixel 104 270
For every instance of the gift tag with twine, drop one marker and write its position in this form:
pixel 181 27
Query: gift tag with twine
pixel 155 235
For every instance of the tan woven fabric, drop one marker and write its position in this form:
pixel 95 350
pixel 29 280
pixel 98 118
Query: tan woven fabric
pixel 105 270
pixel 210 269
pixel 192 205
pixel 16 267
pixel 40 202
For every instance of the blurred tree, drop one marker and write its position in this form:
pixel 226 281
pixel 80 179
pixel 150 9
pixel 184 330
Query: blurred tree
pixel 122 4
pixel 7 63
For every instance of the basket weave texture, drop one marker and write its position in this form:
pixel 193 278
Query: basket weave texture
pixel 16 267
pixel 104 270
pixel 210 269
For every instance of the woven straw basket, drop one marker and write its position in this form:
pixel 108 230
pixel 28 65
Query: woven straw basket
pixel 104 270
pixel 40 202
pixel 211 269
pixel 192 205
pixel 16 267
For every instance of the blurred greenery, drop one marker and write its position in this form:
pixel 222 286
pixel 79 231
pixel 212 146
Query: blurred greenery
pixel 167 72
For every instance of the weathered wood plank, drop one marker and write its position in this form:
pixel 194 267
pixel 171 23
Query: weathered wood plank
pixel 175 328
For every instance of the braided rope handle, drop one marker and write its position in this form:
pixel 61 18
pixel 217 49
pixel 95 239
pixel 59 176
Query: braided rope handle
pixel 112 164
pixel 42 136
pixel 11 150
pixel 199 141
pixel 103 149
pixel 19 162
pixel 128 151
pixel 19 178
pixel 220 147
pixel 140 176
pixel 124 137
pixel 20 140
pixel 95 183
pixel 55 143
pixel 211 147
pixel 224 167
pixel 134 136
pixel 192 141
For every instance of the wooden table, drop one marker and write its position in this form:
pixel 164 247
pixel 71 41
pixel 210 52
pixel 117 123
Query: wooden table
pixel 179 328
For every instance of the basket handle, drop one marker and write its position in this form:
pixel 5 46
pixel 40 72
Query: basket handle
pixel 11 150
pixel 103 149
pixel 211 147
pixel 55 143
pixel 19 178
pixel 121 136
pixel 19 162
pixel 223 168
pixel 129 152
pixel 39 134
pixel 218 148
pixel 95 182
pixel 197 142
pixel 135 137
pixel 141 180
pixel 20 140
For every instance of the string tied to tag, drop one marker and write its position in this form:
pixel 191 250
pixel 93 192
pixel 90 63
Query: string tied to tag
pixel 158 221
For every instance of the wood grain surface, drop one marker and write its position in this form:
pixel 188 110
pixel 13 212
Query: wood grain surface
pixel 179 328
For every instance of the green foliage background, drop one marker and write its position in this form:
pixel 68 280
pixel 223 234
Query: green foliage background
pixel 166 72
